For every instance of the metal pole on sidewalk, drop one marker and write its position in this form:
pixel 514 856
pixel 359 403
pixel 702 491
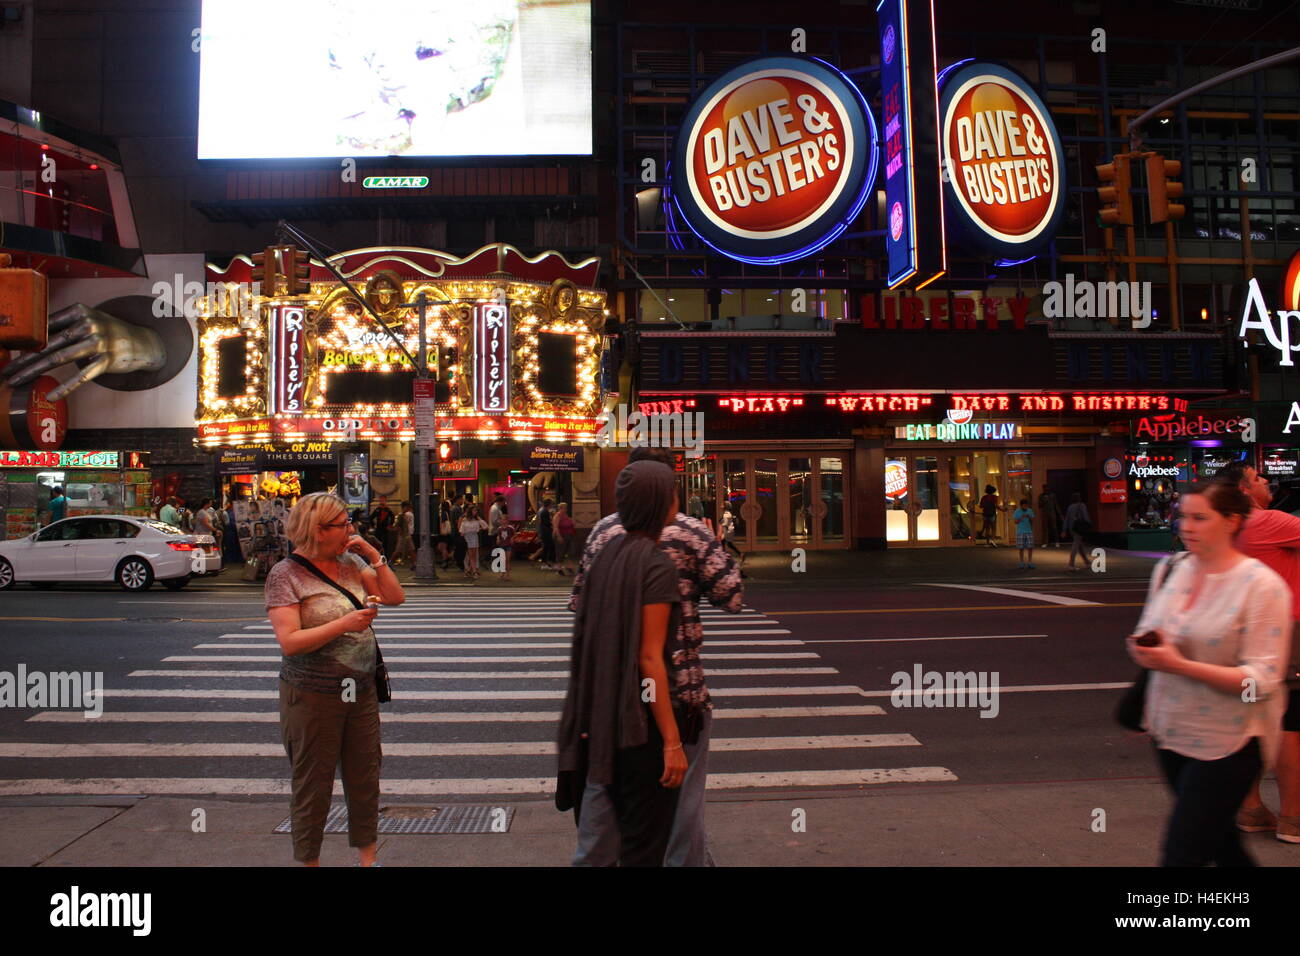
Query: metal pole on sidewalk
pixel 424 552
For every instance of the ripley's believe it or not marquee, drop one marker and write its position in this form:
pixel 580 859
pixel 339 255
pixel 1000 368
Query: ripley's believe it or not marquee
pixel 515 341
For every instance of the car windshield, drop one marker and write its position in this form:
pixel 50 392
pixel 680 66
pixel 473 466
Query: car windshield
pixel 162 526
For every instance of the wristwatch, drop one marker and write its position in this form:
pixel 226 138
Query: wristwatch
pixel 383 560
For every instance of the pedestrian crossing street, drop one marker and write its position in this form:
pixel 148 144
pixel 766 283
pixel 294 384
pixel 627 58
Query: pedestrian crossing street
pixel 478 679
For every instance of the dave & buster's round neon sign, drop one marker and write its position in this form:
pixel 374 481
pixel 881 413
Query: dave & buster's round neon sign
pixel 1003 156
pixel 774 159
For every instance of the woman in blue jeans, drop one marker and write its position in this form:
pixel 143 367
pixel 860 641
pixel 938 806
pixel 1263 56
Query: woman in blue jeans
pixel 1216 636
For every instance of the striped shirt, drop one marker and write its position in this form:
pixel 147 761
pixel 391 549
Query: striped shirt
pixel 704 569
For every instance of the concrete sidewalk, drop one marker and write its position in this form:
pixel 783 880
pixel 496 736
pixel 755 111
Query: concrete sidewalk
pixel 1030 824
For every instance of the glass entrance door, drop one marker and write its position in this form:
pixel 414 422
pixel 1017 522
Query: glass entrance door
pixel 785 501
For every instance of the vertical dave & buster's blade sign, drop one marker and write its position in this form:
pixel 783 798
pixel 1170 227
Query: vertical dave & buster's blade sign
pixel 491 359
pixel 1003 158
pixel 914 227
pixel 289 352
pixel 774 159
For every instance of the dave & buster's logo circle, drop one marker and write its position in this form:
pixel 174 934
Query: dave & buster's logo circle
pixel 888 43
pixel 1004 158
pixel 896 221
pixel 1112 468
pixel 774 159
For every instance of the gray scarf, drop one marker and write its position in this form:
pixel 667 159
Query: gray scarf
pixel 603 711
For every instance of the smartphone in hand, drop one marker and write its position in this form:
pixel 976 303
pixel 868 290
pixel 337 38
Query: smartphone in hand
pixel 1149 639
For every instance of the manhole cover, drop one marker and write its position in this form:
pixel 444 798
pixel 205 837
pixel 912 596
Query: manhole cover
pixel 474 818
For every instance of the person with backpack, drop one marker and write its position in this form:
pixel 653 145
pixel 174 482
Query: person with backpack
pixel 1077 524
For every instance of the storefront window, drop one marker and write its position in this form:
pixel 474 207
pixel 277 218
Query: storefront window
pixel 734 477
pixel 926 482
pixel 800 500
pixel 830 473
pixel 701 489
pixel 765 478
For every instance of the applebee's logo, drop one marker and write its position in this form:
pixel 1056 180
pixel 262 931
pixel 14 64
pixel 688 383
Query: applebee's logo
pixel 1257 317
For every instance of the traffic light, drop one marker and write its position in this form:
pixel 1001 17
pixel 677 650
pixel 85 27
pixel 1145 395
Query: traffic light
pixel 447 451
pixel 1162 187
pixel 1116 194
pixel 282 270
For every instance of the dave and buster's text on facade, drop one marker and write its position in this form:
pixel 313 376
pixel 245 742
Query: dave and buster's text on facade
pixel 774 159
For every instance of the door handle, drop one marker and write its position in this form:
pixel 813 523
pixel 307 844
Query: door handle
pixel 69 544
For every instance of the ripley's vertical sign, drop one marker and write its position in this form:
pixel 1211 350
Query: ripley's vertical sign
pixel 1003 159
pixel 913 190
pixel 491 359
pixel 774 159
pixel 289 352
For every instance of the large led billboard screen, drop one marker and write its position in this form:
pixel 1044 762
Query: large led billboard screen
pixel 357 78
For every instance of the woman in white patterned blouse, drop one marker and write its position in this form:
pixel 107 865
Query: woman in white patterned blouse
pixel 1215 696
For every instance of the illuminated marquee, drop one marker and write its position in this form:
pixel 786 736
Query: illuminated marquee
pixel 774 159
pixel 893 402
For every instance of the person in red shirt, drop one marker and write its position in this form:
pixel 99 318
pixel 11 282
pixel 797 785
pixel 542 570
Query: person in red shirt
pixel 1274 538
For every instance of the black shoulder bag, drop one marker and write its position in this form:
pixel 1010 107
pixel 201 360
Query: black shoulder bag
pixel 1131 705
pixel 382 689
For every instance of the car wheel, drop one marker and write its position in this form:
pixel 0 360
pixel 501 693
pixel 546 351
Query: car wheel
pixel 134 574
pixel 6 575
pixel 175 584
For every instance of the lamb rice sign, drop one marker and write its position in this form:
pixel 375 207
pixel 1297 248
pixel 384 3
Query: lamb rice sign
pixel 774 159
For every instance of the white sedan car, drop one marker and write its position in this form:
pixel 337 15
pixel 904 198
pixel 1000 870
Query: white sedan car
pixel 134 552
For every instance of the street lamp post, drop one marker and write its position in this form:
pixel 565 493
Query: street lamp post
pixel 424 551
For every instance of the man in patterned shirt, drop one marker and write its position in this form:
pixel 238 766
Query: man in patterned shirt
pixel 704 568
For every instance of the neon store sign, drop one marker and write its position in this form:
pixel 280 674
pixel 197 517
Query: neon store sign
pixel 968 431
pixel 1052 402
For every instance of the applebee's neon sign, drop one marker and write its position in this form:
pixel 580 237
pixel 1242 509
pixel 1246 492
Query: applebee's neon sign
pixel 1279 338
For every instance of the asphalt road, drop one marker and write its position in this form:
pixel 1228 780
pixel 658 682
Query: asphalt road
pixel 802 683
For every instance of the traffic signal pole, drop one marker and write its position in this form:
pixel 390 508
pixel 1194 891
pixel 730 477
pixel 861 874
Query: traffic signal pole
pixel 1135 125
pixel 424 551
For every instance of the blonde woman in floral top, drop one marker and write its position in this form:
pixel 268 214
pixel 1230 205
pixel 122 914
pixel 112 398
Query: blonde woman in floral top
pixel 1215 697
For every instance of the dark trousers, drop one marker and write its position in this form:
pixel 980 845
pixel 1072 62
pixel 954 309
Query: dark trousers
pixel 459 547
pixel 1203 829
pixel 644 807
pixel 1050 528
pixel 322 732
pixel 548 548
